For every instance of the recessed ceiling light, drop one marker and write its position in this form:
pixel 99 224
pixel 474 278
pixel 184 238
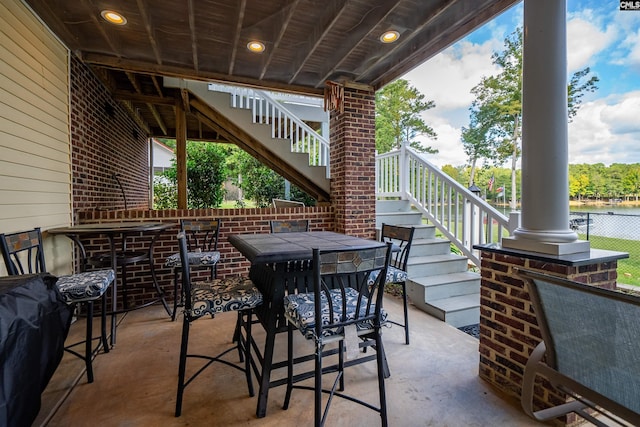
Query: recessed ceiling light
pixel 389 36
pixel 255 46
pixel 113 17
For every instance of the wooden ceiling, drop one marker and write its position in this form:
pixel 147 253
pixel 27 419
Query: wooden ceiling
pixel 307 42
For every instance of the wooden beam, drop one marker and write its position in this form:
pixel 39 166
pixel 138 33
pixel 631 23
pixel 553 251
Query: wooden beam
pixel 356 35
pixel 283 28
pixel 236 35
pixel 124 95
pixel 135 116
pixel 333 10
pixel 136 85
pixel 150 33
pixel 145 67
pixel 194 34
pixel 181 154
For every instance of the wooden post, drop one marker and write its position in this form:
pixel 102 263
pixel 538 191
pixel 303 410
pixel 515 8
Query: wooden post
pixel 181 153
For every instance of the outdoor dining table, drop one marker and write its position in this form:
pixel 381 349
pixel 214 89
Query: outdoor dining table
pixel 280 263
pixel 119 255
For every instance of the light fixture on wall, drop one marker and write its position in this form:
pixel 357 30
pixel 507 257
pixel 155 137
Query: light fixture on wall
pixel 113 17
pixel 389 36
pixel 255 46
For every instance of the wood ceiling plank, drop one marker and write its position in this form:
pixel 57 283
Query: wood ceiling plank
pixel 150 31
pixel 236 35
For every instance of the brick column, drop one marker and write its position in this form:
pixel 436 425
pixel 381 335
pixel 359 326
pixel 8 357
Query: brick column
pixel 508 327
pixel 353 162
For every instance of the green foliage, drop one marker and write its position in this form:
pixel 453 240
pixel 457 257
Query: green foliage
pixel 398 121
pixel 206 174
pixel 495 115
pixel 598 181
pixel 165 193
pixel 261 184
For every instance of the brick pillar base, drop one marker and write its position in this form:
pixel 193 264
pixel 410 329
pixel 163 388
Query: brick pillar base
pixel 508 327
pixel 353 171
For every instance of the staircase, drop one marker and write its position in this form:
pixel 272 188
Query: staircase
pixel 439 281
pixel 265 128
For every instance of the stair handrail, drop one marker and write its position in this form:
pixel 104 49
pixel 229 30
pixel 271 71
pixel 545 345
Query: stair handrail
pixel 464 218
pixel 284 124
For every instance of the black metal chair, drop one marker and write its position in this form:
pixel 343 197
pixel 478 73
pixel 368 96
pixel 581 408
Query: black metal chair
pixel 202 243
pixel 401 237
pixel 289 225
pixel 214 296
pixel 344 307
pixel 23 253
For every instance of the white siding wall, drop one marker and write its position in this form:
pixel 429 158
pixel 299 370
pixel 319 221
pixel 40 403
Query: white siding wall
pixel 35 170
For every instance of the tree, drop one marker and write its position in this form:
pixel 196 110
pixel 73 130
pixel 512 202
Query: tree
pixel 259 183
pixel 498 105
pixel 398 121
pixel 206 174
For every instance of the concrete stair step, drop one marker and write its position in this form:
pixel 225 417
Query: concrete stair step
pixel 399 218
pixel 457 311
pixel 428 288
pixel 424 247
pixel 434 265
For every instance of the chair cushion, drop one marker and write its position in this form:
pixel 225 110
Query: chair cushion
pixel 300 310
pixel 220 295
pixel 394 275
pixel 195 258
pixel 85 286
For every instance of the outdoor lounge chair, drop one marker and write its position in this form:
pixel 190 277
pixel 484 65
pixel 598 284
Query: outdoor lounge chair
pixel 590 349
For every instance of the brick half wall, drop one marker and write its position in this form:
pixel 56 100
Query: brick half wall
pixel 233 221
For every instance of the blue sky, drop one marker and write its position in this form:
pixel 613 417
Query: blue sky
pixel 599 35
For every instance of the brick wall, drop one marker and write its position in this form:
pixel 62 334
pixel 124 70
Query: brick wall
pixel 353 163
pixel 233 221
pixel 508 328
pixel 104 141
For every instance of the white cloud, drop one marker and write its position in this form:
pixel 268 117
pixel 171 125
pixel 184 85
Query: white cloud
pixel 606 131
pixel 581 53
pixel 449 77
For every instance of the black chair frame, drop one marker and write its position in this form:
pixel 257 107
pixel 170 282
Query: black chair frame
pixel 401 237
pixel 32 247
pixel 241 344
pixel 369 305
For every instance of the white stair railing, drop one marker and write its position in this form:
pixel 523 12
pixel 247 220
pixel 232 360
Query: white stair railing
pixel 464 218
pixel 284 124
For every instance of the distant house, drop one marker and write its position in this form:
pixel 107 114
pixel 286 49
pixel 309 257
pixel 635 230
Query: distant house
pixel 162 156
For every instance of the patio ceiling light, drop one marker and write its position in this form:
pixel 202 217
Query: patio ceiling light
pixel 389 36
pixel 255 46
pixel 113 17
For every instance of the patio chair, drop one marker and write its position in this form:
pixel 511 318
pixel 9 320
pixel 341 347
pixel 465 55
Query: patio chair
pixel 401 237
pixel 341 308
pixel 281 203
pixel 202 243
pixel 211 297
pixel 589 350
pixel 289 225
pixel 23 253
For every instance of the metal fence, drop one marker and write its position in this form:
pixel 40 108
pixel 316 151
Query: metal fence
pixel 612 225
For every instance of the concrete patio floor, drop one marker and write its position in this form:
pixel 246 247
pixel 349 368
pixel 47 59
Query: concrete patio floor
pixel 434 381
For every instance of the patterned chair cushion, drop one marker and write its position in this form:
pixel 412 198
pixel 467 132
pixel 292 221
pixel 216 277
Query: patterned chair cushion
pixel 220 295
pixel 85 286
pixel 300 310
pixel 195 258
pixel 394 275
